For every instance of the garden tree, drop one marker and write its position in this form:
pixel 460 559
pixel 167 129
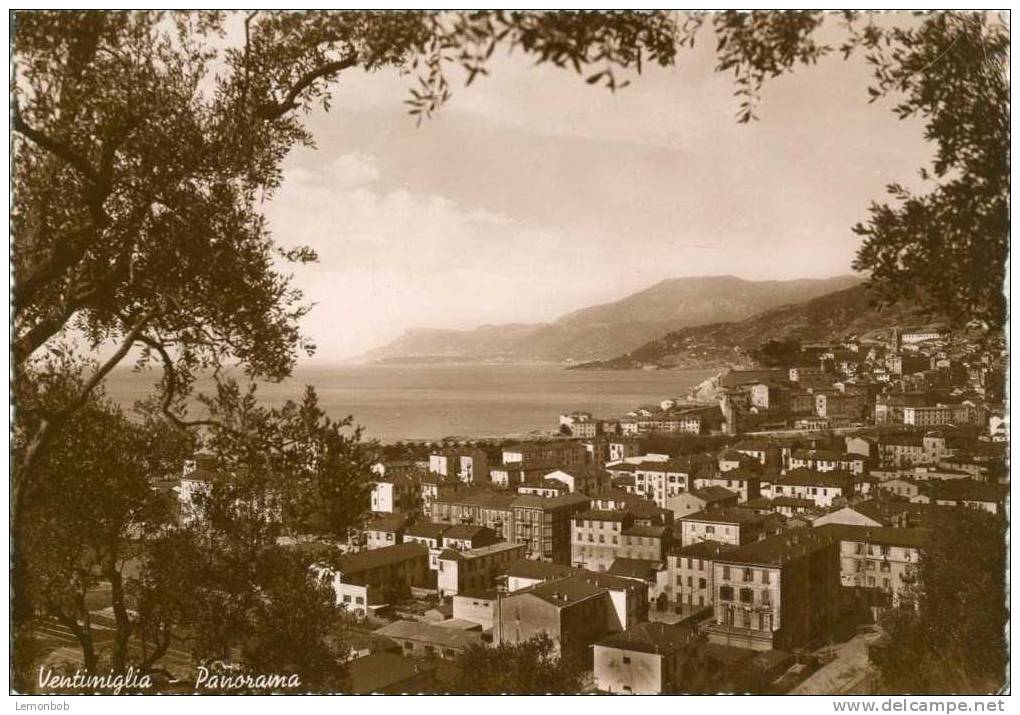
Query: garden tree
pixel 529 667
pixel 92 514
pixel 955 639
pixel 220 586
pixel 288 471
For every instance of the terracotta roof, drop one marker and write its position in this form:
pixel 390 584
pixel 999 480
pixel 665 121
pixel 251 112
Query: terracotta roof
pixel 879 535
pixel 643 569
pixel 427 529
pixel 352 564
pixel 728 515
pixel 536 502
pixel 649 637
pixel 704 550
pixel 777 550
pixel 378 671
pixel 527 568
pixel 812 478
pixel 429 633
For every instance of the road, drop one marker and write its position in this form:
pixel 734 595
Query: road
pixel 846 673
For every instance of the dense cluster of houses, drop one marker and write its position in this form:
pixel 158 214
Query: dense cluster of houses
pixel 637 563
pixel 925 377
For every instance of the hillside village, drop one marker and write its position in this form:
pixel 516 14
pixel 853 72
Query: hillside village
pixel 759 525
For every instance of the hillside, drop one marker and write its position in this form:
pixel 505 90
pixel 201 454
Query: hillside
pixel 605 330
pixel 839 314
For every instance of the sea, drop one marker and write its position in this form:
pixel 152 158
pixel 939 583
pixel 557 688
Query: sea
pixel 435 401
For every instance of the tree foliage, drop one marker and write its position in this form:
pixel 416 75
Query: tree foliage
pixel 947 247
pixel 527 668
pixel 92 516
pixel 954 641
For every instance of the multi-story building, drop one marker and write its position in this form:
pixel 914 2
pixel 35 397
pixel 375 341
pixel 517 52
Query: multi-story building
pixel 561 453
pixel 430 535
pixel 482 507
pixel 820 487
pixel 386 529
pixel 598 538
pixel 964 492
pixel 660 480
pixel 644 511
pixel 524 573
pixel 823 460
pixel 620 449
pixel 646 659
pixel 366 581
pixel 691 573
pixel 834 405
pixel 700 499
pixel 586 480
pixel 778 593
pixel 877 557
pixel 543 524
pixel 745 484
pixel 733 525
pixel 574 611
pixel 395 493
pixel 476 568
pixel 466 464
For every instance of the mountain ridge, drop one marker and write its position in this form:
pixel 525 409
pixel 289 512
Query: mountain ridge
pixel 601 331
pixel 729 344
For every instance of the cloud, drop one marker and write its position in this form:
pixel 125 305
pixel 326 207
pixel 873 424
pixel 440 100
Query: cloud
pixel 394 259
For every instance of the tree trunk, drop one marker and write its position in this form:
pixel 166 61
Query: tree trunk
pixel 123 621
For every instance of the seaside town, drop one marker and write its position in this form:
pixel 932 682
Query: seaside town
pixel 396 352
pixel 759 535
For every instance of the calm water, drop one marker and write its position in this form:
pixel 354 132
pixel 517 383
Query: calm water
pixel 433 401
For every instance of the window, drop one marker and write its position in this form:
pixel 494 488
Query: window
pixel 701 565
pixel 858 548
pixel 702 583
pixel 616 539
pixel 359 600
pixel 709 529
pixel 725 593
pixel 726 572
pixel 884 567
pixel 746 595
pixel 679 580
pixel 886 584
pixel 871 581
pixel 626 660
pixel 689 561
pixel 580 536
pixel 748 575
pixel 766 576
pixel 885 550
pixel 690 581
pixel 602 539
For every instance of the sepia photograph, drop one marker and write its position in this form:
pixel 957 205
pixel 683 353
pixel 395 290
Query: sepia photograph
pixel 510 352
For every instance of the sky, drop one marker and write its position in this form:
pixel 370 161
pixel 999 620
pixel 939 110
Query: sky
pixel 532 194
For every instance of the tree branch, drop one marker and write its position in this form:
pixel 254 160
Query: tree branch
pixel 278 109
pixel 172 385
pixel 53 146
